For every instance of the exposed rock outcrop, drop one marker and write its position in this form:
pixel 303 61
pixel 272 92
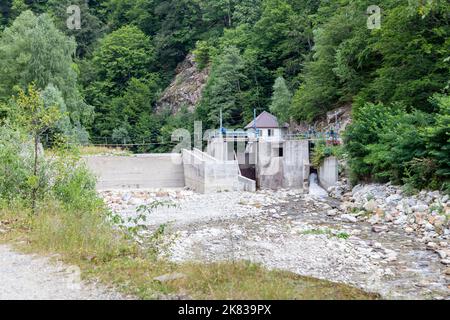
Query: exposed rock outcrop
pixel 185 89
pixel 328 121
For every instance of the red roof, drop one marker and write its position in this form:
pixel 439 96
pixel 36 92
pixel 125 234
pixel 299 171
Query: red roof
pixel 265 121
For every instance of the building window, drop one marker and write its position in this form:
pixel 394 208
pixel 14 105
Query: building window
pixel 270 132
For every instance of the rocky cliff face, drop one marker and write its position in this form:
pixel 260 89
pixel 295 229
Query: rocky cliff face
pixel 185 89
pixel 327 122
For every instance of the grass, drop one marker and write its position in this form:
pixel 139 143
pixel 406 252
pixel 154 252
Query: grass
pixel 328 232
pixel 82 237
pixel 98 150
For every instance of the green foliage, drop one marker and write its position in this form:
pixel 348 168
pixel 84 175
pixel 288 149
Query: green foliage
pixel 223 91
pixel 202 54
pixel 322 151
pixel 92 28
pixel 32 50
pixel 125 87
pixel 15 159
pixel 386 143
pixel 281 100
pixel 124 54
pixel 35 118
pixel 182 120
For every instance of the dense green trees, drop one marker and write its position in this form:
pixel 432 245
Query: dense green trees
pixel 387 143
pixel 296 58
pixel 32 50
pixel 121 84
pixel 223 90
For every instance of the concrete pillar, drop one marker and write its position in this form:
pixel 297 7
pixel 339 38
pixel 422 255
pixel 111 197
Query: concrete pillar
pixel 329 172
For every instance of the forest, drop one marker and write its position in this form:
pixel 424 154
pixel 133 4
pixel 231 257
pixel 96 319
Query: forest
pixel 295 58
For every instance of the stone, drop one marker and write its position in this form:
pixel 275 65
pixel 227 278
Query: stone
pixel 379 228
pixel 379 212
pixel 332 213
pixel 346 205
pixel 371 206
pixel 126 197
pixel 349 218
pixel 429 226
pixel 393 198
pixel 374 220
pixel 420 208
pixel 377 245
pixel 409 230
pixel 432 246
pixel 445 262
pixel 170 277
pixel 443 254
pixel 447 272
pixel 438 221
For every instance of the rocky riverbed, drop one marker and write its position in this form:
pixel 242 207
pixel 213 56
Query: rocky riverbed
pixel 313 236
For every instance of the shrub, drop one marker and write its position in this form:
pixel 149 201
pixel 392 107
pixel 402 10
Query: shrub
pixel 387 143
pixel 322 151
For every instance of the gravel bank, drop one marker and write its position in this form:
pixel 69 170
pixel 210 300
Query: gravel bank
pixel 291 231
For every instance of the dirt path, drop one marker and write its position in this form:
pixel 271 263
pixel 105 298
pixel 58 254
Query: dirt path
pixel 28 277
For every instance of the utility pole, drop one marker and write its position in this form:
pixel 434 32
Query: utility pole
pixel 254 123
pixel 221 123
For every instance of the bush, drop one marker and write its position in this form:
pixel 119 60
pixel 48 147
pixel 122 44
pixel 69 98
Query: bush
pixel 61 175
pixel 387 143
pixel 323 151
pixel 14 163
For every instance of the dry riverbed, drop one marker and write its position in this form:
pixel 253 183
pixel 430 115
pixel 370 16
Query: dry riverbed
pixel 291 231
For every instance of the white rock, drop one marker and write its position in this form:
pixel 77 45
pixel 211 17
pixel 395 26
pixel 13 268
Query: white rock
pixel 126 197
pixel 379 229
pixel 429 226
pixel 349 218
pixel 443 254
pixel 393 198
pixel 445 261
pixel 420 208
pixel 170 277
pixel 332 213
pixel 374 219
pixel 371 206
pixel 409 230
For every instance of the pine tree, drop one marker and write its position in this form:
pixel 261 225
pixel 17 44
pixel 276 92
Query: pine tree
pixel 281 100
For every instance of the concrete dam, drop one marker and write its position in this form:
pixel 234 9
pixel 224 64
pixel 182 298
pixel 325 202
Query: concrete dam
pixel 261 165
